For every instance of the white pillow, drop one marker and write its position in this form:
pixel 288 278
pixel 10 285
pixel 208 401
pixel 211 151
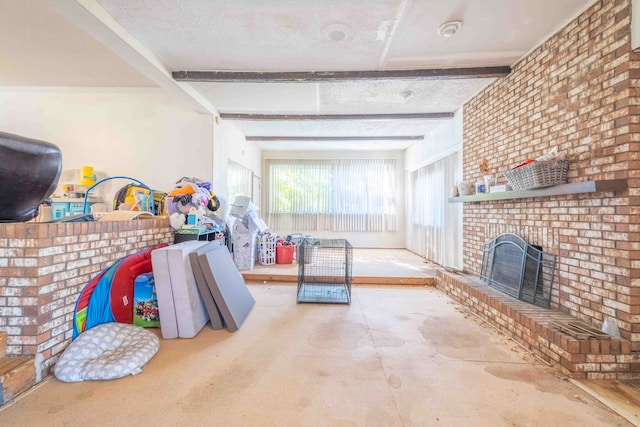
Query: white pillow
pixel 107 351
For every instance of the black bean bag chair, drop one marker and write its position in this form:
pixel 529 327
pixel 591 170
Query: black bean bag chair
pixel 29 173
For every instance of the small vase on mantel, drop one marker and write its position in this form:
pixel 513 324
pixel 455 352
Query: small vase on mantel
pixel 489 181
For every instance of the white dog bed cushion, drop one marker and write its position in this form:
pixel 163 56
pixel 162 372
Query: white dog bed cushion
pixel 107 351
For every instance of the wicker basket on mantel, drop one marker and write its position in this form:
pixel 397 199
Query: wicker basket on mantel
pixel 538 175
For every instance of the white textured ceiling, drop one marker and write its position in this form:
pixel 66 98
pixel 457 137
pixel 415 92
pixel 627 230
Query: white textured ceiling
pixel 140 42
pixel 359 97
pixel 345 145
pixel 335 128
pixel 286 35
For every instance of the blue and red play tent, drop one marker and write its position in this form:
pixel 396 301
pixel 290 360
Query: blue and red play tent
pixel 108 297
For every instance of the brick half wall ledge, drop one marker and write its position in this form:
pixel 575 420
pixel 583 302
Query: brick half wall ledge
pixel 530 326
pixel 45 266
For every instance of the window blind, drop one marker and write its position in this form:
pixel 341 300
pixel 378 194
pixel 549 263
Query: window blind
pixel 332 195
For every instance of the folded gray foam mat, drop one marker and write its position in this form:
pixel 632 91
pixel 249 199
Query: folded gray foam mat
pixel 201 282
pixel 182 311
pixel 227 286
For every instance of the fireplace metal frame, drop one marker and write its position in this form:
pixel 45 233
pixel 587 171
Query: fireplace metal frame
pixel 519 269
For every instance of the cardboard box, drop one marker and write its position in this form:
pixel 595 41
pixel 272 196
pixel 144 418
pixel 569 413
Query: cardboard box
pixel 244 245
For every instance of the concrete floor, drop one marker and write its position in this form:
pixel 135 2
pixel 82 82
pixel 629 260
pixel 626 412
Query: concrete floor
pixel 397 356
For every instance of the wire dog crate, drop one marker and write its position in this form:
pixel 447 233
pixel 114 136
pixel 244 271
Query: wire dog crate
pixel 324 271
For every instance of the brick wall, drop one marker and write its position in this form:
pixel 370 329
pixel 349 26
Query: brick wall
pixel 43 268
pixel 577 92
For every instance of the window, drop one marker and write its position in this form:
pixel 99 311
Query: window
pixel 239 181
pixel 333 195
pixel 300 188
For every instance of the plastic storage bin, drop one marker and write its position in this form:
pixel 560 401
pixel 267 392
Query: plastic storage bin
pixel 284 254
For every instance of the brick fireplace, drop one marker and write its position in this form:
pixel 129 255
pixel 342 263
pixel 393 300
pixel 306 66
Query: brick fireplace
pixel 43 268
pixel 578 92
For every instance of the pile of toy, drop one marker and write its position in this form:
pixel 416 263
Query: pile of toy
pixel 192 205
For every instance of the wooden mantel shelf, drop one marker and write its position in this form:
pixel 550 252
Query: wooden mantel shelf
pixel 556 190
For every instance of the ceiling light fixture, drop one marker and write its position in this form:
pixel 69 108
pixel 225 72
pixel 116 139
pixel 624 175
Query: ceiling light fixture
pixel 337 32
pixel 337 35
pixel 449 29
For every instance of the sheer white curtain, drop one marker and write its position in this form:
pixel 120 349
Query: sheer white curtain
pixel 435 225
pixel 332 195
pixel 363 200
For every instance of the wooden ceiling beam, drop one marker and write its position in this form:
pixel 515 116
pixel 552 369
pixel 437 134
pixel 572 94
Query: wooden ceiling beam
pixel 333 76
pixel 306 117
pixel 337 138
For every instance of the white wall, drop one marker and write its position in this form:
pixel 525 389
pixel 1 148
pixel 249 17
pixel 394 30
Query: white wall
pixel 141 133
pixel 231 144
pixel 387 239
pixel 438 143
